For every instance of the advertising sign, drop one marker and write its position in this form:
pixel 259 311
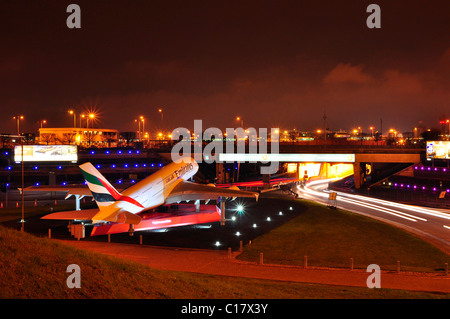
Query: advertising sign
pixel 329 158
pixel 438 149
pixel 46 153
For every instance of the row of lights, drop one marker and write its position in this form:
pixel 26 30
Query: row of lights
pixel 240 209
pixel 9 167
pixel 120 181
pixel 435 169
pixel 98 166
pixel 118 152
pixel 409 186
pixel 105 152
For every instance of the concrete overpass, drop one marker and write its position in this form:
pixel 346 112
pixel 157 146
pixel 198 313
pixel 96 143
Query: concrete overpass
pixel 372 158
pixel 357 155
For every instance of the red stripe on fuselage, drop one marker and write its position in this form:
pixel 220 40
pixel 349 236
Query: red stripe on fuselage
pixel 118 196
pixel 130 200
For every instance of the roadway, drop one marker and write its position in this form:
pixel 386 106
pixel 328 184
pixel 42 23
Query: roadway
pixel 430 224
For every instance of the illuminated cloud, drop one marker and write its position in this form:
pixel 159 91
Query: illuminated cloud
pixel 346 73
pixel 273 63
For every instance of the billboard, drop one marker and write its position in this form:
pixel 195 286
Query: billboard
pixel 328 158
pixel 46 153
pixel 438 149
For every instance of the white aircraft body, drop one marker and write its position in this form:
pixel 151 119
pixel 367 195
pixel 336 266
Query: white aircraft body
pixel 166 186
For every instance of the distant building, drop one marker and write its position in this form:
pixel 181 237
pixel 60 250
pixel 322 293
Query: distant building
pixel 86 137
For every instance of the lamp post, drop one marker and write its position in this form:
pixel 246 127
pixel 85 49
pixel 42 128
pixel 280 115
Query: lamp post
pixel 139 129
pixel 162 116
pixel 238 118
pixel 72 112
pixel 43 122
pixel 90 116
pixel 18 118
pixel 82 116
pixel 143 123
pixel 22 220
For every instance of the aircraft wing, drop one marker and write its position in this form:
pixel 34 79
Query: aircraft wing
pixel 259 183
pixel 70 189
pixel 114 215
pixel 193 191
pixel 85 214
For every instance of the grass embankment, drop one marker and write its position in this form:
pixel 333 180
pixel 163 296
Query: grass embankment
pixel 329 238
pixel 32 267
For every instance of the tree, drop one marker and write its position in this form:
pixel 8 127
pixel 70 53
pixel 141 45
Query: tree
pixel 47 138
pixel 89 137
pixel 69 138
pixel 128 136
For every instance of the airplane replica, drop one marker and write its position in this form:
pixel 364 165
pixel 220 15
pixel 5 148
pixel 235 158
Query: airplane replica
pixel 133 208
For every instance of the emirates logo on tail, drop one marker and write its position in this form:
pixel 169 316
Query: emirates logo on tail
pixel 102 191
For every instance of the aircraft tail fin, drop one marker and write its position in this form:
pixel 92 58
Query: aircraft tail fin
pixel 103 192
pixel 106 196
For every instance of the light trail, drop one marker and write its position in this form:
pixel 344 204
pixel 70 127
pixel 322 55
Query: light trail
pixel 416 209
pixel 434 227
pixel 344 196
pixel 385 210
pixel 367 205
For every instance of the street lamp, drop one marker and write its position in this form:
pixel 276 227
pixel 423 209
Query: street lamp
pixel 238 118
pixel 43 122
pixel 319 133
pixel 371 129
pixel 162 115
pixel 22 221
pixel 22 229
pixel 90 116
pixel 393 132
pixel 72 112
pixel 143 123
pixel 18 118
pixel 139 129
pixel 141 119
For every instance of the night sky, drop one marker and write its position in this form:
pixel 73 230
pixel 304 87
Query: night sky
pixel 274 63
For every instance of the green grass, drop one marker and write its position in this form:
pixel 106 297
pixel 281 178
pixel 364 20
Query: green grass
pixel 33 267
pixel 331 237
